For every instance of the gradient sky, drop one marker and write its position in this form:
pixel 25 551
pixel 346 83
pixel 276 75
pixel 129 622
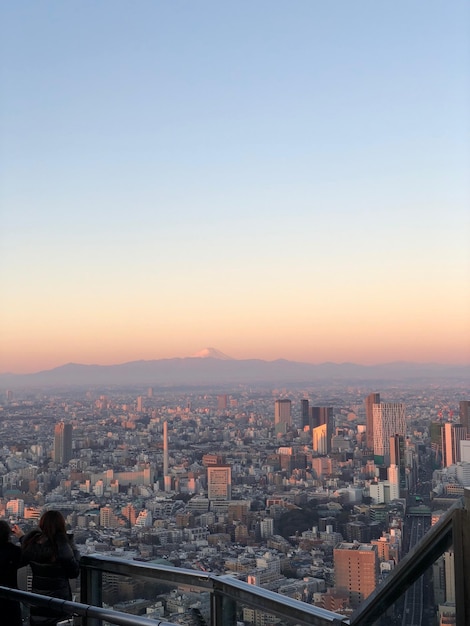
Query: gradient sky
pixel 274 179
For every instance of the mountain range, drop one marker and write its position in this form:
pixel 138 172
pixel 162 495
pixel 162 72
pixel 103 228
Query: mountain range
pixel 212 367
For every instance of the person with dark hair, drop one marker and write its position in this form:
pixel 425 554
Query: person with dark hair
pixel 53 558
pixel 10 557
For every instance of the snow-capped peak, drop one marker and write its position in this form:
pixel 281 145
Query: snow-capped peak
pixel 212 353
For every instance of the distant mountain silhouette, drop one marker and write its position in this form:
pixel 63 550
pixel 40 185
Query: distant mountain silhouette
pixel 208 370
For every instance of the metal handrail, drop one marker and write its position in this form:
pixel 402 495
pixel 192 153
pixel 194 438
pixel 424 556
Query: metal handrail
pixel 77 608
pixel 275 603
pixel 225 587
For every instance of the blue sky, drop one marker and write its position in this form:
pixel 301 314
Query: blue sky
pixel 168 168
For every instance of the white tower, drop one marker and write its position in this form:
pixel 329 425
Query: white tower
pixel 166 477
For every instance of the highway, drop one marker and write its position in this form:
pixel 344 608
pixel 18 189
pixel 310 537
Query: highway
pixel 417 598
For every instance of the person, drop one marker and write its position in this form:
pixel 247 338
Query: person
pixel 10 557
pixel 54 559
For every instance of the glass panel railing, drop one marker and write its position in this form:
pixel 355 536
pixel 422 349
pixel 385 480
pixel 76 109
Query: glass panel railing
pixel 156 599
pixel 422 586
pixel 179 595
pixel 430 600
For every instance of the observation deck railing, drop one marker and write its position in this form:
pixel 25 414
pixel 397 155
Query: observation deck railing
pixel 453 529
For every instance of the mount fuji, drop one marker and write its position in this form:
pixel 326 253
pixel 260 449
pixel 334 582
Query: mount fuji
pixel 212 353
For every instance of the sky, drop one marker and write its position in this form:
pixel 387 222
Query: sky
pixel 273 179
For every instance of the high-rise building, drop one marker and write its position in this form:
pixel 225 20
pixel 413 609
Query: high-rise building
pixel 219 482
pixel 435 431
pixel 397 458
pixel 372 398
pixel 356 570
pixel 320 415
pixel 222 402
pixel 464 414
pixel 282 415
pixel 393 475
pixel 322 424
pixel 321 439
pixel 452 435
pixel 388 420
pixel 62 443
pixel 305 412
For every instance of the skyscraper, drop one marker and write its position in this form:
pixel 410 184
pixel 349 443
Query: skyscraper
pixel 388 420
pixel 282 415
pixel 305 412
pixel 320 415
pixel 464 414
pixel 321 439
pixel 435 431
pixel 322 424
pixel 222 402
pixel 452 434
pixel 372 398
pixel 62 443
pixel 397 459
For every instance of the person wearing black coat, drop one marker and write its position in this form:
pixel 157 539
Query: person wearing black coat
pixel 10 557
pixel 54 559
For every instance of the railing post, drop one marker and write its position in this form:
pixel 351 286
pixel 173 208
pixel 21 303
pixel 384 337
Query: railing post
pixel 91 586
pixel 223 610
pixel 461 538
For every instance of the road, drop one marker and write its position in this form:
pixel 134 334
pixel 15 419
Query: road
pixel 417 599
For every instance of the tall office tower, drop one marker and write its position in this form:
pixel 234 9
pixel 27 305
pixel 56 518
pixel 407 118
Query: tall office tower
pixel 372 398
pixel 62 443
pixel 219 482
pixel 452 435
pixel 222 402
pixel 320 415
pixel 282 415
pixel 305 412
pixel 397 458
pixel 321 439
pixel 464 414
pixel 388 420
pixel 435 431
pixel 140 404
pixel 322 424
pixel 356 570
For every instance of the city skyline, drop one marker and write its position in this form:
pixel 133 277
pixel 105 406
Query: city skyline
pixel 277 181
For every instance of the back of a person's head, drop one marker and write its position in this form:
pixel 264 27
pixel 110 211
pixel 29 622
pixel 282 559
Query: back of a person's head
pixel 52 523
pixel 5 532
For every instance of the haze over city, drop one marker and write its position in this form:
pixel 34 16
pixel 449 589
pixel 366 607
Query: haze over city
pixel 277 180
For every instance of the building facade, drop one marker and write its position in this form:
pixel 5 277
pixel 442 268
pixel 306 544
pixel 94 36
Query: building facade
pixel 62 443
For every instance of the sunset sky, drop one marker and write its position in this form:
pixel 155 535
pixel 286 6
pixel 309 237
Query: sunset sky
pixel 274 179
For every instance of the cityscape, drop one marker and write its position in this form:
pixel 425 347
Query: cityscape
pixel 314 492
pixel 234 320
